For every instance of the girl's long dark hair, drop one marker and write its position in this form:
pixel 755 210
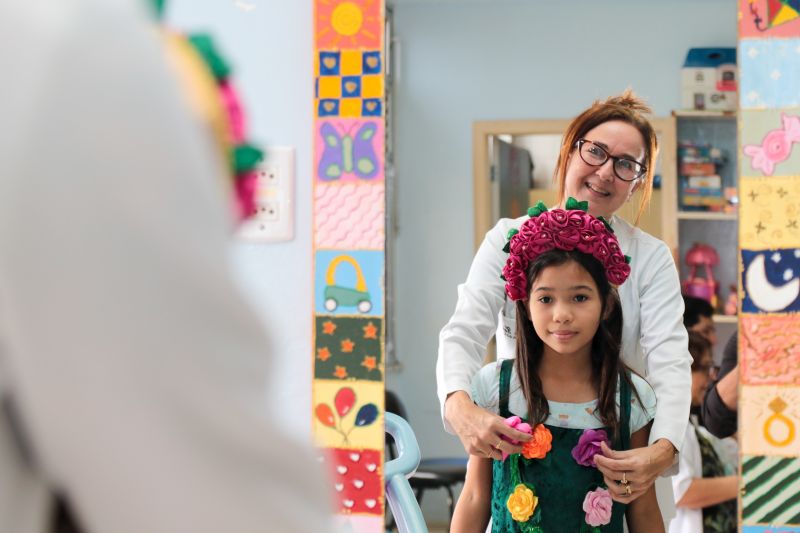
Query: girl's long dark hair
pixel 607 365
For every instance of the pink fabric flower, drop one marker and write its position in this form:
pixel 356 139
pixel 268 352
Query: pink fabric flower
pixel 558 218
pixel 588 446
pixel 567 238
pixel 576 218
pixel 516 423
pixel 617 274
pixel 597 505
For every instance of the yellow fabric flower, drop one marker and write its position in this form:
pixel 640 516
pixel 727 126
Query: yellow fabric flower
pixel 521 503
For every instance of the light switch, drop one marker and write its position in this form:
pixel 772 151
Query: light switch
pixel 273 220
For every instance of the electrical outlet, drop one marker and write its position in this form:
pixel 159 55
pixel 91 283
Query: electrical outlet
pixel 273 220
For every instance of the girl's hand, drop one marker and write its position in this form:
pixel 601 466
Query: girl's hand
pixel 479 430
pixel 639 466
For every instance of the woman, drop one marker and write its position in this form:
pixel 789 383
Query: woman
pixel 608 153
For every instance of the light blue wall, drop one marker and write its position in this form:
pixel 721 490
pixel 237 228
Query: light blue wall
pixel 270 49
pixel 462 62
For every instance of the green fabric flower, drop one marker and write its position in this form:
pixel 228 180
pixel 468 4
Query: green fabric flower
pixel 537 210
pixel 572 203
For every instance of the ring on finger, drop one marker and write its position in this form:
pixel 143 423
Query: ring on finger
pixel 497 446
pixel 624 480
pixel 627 490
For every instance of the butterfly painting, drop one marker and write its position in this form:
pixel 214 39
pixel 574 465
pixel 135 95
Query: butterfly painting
pixel 350 149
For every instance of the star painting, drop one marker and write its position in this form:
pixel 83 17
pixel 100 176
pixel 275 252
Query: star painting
pixel 349 348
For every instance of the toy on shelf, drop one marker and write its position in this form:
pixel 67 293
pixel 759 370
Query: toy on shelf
pixel 702 255
pixel 708 79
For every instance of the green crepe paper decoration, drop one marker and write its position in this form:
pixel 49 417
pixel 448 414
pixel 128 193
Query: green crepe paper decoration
pixel 246 157
pixel 204 44
pixel 628 259
pixel 537 210
pixel 572 203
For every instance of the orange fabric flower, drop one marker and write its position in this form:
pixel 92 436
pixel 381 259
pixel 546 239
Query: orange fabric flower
pixel 521 503
pixel 539 445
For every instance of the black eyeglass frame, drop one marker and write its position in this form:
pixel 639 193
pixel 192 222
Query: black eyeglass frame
pixel 613 158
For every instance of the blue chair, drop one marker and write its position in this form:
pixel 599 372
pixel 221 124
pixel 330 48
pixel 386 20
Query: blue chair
pixel 396 472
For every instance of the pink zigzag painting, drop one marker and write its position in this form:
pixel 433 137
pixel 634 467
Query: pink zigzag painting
pixel 349 216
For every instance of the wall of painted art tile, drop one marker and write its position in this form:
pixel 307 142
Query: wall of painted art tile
pixel 349 255
pixel 769 261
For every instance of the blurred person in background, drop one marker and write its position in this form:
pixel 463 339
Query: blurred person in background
pixel 705 491
pixel 132 373
pixel 698 316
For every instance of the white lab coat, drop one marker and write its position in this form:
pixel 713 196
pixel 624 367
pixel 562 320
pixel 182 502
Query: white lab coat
pixel 654 340
pixel 136 369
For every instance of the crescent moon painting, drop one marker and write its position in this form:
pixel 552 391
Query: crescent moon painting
pixel 771 281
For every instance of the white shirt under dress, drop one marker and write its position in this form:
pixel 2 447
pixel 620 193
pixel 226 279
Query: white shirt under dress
pixel 654 340
pixel 485 392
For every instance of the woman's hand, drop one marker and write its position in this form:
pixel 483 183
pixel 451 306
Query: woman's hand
pixel 479 430
pixel 628 474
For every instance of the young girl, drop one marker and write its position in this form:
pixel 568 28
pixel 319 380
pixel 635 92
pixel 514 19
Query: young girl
pixel 568 384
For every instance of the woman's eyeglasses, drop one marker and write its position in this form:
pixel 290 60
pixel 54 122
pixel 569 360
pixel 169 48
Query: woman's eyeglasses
pixel 595 155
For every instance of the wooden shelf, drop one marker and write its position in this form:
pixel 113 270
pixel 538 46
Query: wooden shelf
pixel 725 319
pixel 697 113
pixel 706 215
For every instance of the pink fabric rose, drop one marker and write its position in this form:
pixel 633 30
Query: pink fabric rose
pixel 576 218
pixel 516 423
pixel 588 446
pixel 617 274
pixel 567 238
pixel 558 218
pixel 597 506
pixel 616 259
pixel 597 226
pixel 588 235
pixel 600 251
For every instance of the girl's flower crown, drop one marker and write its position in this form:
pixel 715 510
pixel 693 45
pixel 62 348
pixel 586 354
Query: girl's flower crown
pixel 561 229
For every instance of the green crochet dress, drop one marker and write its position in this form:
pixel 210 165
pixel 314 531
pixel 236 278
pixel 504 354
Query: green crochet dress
pixel 557 480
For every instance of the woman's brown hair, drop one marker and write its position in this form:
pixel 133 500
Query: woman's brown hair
pixel 626 107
